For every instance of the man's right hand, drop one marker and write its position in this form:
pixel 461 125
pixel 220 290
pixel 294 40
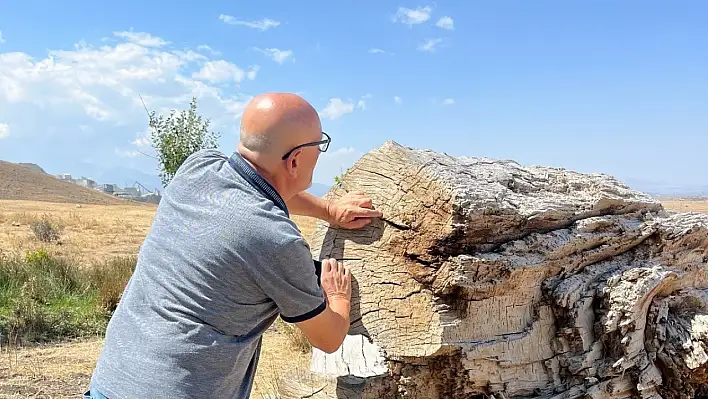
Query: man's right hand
pixel 336 281
pixel 327 330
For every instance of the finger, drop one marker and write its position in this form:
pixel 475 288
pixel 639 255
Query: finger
pixel 327 265
pixel 339 268
pixel 366 213
pixel 358 223
pixel 363 202
pixel 356 196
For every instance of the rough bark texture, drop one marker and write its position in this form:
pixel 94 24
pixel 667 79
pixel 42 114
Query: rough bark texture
pixel 492 279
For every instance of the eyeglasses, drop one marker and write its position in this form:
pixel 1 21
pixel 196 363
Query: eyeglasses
pixel 322 144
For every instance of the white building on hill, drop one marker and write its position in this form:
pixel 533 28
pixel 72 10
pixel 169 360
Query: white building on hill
pixel 65 177
pixel 85 182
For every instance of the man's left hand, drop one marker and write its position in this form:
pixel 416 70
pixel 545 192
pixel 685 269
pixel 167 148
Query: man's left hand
pixel 352 211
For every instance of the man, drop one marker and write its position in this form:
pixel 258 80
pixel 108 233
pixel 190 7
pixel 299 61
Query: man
pixel 223 260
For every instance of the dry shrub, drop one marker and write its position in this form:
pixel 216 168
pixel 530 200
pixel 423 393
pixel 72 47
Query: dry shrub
pixel 110 279
pixel 296 337
pixel 46 230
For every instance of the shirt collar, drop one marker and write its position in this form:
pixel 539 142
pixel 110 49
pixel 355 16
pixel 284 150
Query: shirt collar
pixel 247 171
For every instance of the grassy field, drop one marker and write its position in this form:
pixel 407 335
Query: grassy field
pixel 94 236
pixel 686 205
pixel 90 232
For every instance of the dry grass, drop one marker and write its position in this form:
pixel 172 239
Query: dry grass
pixel 686 205
pixel 63 370
pixel 90 232
pixel 98 233
pixel 53 370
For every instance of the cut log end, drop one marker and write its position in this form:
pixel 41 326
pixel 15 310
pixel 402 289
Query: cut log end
pixel 492 279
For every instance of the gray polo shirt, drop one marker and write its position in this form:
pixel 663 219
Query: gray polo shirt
pixel 221 262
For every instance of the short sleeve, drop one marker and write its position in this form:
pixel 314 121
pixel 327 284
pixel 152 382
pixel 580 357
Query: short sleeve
pixel 288 277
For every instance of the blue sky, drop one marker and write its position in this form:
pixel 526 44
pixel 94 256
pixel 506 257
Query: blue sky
pixel 594 86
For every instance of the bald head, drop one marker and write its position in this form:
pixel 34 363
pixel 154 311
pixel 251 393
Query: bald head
pixel 273 123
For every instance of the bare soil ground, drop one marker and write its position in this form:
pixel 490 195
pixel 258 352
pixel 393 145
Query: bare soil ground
pixel 19 182
pixel 62 370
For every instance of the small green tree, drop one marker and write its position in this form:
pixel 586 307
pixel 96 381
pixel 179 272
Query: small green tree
pixel 178 136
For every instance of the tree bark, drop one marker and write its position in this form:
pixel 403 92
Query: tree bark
pixel 486 278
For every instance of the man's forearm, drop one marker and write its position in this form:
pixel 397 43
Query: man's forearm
pixel 341 307
pixel 306 204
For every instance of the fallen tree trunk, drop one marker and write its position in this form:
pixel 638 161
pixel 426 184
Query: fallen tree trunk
pixel 492 279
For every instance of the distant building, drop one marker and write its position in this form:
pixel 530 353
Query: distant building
pixel 136 193
pixel 153 198
pixel 130 192
pixel 109 188
pixel 85 182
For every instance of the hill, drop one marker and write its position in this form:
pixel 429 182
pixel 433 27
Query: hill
pixel 18 182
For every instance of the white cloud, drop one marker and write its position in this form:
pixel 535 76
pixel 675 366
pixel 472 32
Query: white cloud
pixel 94 92
pixel 220 71
pixel 251 75
pixel 376 51
pixel 446 23
pixel 397 100
pixel 1 39
pixel 142 38
pixel 190 56
pixel 448 101
pixel 143 140
pixel 127 153
pixel 336 108
pixel 361 104
pixel 277 55
pixel 4 130
pixel 204 47
pixel 412 16
pixel 263 24
pixel 429 45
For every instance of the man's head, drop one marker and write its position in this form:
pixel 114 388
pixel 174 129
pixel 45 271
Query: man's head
pixel 276 130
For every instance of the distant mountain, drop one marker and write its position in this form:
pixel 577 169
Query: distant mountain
pixel 667 189
pixel 319 189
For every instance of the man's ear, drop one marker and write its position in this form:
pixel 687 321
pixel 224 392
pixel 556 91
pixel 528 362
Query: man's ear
pixel 294 163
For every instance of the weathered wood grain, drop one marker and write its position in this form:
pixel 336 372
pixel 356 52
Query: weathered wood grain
pixel 489 278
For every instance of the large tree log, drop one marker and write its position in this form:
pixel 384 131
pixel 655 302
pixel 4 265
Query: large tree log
pixel 489 278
